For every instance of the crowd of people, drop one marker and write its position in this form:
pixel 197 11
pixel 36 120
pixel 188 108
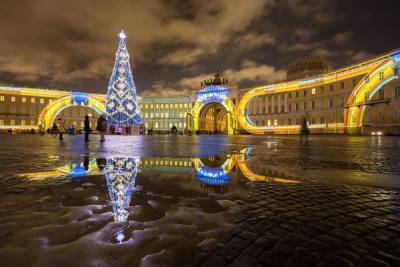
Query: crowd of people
pixel 59 128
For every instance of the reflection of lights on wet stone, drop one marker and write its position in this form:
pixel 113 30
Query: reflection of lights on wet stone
pixel 120 236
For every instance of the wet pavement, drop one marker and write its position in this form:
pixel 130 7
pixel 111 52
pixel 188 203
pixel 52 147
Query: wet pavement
pixel 199 200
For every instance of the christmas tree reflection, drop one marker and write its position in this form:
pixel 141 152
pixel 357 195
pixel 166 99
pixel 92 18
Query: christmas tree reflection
pixel 121 175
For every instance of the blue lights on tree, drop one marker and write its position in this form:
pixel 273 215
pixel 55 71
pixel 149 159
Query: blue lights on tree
pixel 121 107
pixel 121 176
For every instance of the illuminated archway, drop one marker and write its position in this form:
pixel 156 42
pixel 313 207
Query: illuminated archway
pixel 387 63
pixel 214 94
pixel 50 112
pixel 364 91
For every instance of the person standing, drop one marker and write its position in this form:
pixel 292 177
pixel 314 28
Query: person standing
pixel 61 125
pixel 101 127
pixel 86 128
pixel 304 131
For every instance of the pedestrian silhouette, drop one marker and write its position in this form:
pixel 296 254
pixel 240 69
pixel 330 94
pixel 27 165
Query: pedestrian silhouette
pixel 304 132
pixel 101 127
pixel 61 124
pixel 86 128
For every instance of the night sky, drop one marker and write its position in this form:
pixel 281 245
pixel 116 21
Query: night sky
pixel 174 45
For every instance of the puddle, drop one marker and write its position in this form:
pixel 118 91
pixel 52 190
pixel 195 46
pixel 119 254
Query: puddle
pixel 124 210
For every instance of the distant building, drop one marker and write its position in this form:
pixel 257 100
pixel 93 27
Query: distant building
pixel 22 108
pixel 160 112
pixel 306 67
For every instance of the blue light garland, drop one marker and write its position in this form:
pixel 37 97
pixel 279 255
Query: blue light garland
pixel 121 176
pixel 121 107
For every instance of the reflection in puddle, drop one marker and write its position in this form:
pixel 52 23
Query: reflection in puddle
pixel 216 174
pixel 120 175
pixel 183 204
pixel 215 170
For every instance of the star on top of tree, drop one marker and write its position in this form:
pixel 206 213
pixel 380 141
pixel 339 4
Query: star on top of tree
pixel 122 35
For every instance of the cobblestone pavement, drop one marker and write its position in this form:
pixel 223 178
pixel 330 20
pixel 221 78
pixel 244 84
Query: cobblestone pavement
pixel 310 224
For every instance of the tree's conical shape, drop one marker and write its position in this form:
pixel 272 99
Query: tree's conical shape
pixel 121 176
pixel 121 107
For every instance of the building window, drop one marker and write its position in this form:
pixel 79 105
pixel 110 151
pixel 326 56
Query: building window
pixel 397 91
pixel 297 106
pixel 380 115
pixel 33 123
pixel 290 107
pixel 12 122
pixel 275 122
pixel 322 119
pixel 341 85
pixel 305 92
pixel 312 120
pixel 305 105
pixel 13 99
pixel 33 100
pixel 1 98
pixel 290 121
pixel 331 88
pixel 1 122
pixel 321 89
pixel 341 118
pixel 381 76
pixel 366 116
pixel 313 91
pixel 381 94
pixel 313 105
pixel 23 122
pixel 289 95
pixel 331 103
pixel 297 94
pixel 283 108
pixel 397 114
pixel 342 101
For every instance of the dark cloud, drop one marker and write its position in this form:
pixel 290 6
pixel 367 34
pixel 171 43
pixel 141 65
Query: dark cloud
pixel 175 44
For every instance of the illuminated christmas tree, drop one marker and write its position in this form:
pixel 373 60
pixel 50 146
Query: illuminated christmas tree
pixel 121 107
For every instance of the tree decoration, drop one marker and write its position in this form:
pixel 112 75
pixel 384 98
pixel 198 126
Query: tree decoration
pixel 121 107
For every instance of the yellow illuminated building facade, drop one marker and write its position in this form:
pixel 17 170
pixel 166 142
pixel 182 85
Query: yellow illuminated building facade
pixel 24 109
pixel 359 99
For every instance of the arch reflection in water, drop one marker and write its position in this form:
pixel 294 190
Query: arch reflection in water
pixel 78 169
pixel 120 174
pixel 217 173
